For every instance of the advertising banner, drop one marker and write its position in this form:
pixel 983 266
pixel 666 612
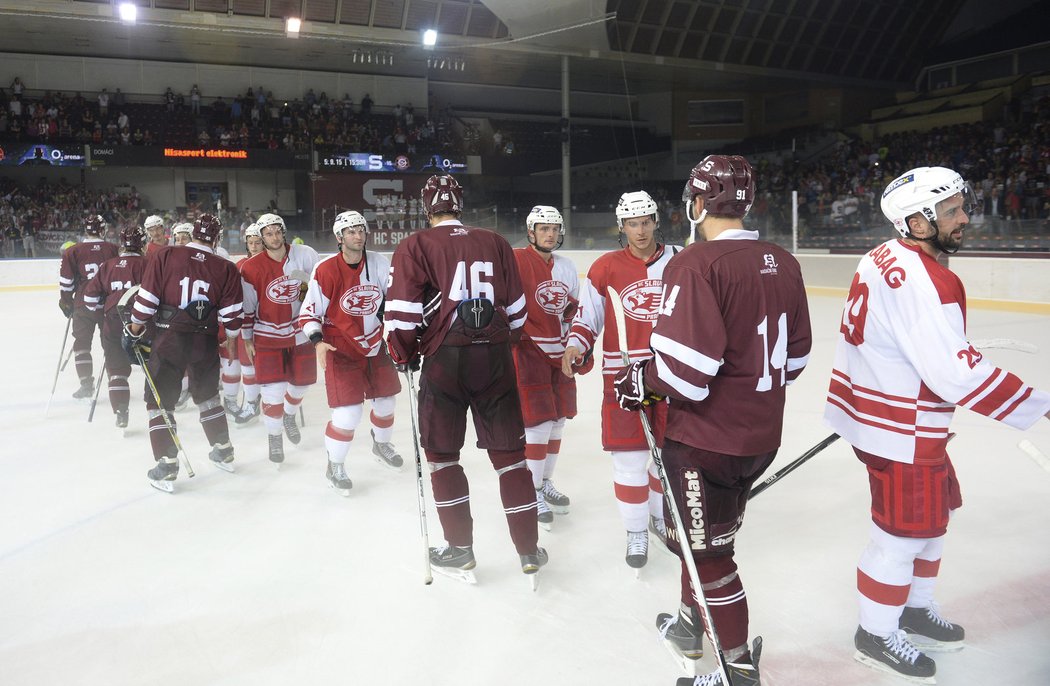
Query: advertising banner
pixel 41 154
pixel 331 159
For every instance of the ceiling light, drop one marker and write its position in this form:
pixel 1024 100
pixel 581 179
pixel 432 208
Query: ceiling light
pixel 128 12
pixel 430 38
pixel 292 26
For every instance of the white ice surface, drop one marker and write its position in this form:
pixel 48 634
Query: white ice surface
pixel 265 577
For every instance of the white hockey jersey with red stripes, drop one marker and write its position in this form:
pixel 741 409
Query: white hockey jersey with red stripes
pixel 902 362
pixel 549 288
pixel 344 304
pixel 271 296
pixel 640 285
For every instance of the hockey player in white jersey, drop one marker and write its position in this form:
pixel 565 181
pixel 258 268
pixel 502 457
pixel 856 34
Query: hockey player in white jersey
pixel 902 365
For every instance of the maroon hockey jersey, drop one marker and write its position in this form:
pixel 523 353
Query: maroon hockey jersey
pixel 115 276
pixel 436 269
pixel 176 275
pixel 79 265
pixel 732 332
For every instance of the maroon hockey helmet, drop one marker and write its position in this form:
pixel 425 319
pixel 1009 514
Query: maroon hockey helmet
pixel 725 182
pixel 206 229
pixel 132 238
pixel 95 225
pixel 442 194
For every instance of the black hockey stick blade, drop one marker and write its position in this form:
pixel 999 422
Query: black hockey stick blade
pixel 793 465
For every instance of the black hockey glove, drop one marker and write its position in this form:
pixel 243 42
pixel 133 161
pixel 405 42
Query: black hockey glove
pixel 66 307
pixel 412 364
pixel 132 344
pixel 629 386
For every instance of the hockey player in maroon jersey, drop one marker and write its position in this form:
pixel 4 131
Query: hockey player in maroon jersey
pixel 237 369
pixel 154 226
pixel 79 264
pixel 103 291
pixel 635 272
pixel 902 366
pixel 455 298
pixel 186 292
pixel 342 317
pixel 732 333
pixel 548 397
pixel 275 283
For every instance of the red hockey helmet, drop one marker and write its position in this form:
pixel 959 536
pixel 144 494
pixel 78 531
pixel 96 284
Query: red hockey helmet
pixel 95 225
pixel 132 238
pixel 441 194
pixel 725 182
pixel 207 229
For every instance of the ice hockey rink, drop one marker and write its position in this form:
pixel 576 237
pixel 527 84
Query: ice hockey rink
pixel 267 577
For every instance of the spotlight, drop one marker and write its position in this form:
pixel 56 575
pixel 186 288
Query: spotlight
pixel 128 12
pixel 292 26
pixel 430 38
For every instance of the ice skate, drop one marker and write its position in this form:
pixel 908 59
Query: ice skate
pixel 894 654
pixel 530 565
pixel 162 476
pixel 248 414
pixel 557 501
pixel 184 399
pixel 740 673
pixel 455 562
pixel 544 516
pixel 86 390
pixel 386 454
pixel 221 456
pixel 930 632
pixel 637 550
pixel 229 403
pixel 291 429
pixel 276 449
pixel 683 636
pixel 337 478
pixel 122 419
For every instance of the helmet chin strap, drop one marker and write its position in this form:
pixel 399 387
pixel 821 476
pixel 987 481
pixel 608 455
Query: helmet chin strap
pixel 935 239
pixel 694 222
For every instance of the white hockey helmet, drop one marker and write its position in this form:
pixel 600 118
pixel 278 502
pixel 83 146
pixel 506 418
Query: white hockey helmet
pixel 152 221
pixel 253 231
pixel 919 191
pixel 184 227
pixel 269 219
pixel 544 214
pixel 347 220
pixel 636 204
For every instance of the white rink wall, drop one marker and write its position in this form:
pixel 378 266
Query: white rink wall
pixel 1004 280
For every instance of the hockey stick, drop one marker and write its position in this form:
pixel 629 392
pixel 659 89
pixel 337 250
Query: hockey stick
pixel 1035 453
pixel 61 365
pixel 98 387
pixel 421 503
pixel 672 503
pixel 164 413
pixel 1006 344
pixel 792 466
pixel 69 356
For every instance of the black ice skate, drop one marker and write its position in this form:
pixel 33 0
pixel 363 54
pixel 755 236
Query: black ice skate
pixel 637 550
pixel 86 390
pixel 894 654
pixel 163 474
pixel 221 456
pixel 744 673
pixel 931 632
pixel 276 449
pixel 544 516
pixel 292 429
pixel 184 399
pixel 337 478
pixel 386 454
pixel 229 403
pixel 530 564
pixel 556 500
pixel 122 419
pixel 683 636
pixel 248 414
pixel 455 562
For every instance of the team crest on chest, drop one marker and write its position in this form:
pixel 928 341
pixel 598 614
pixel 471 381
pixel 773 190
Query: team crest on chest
pixel 641 300
pixel 361 300
pixel 552 296
pixel 283 290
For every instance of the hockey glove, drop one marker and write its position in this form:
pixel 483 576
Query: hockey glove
pixel 629 387
pixel 132 344
pixel 412 364
pixel 66 307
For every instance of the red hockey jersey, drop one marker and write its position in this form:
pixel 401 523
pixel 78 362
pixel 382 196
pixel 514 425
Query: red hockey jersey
pixel 272 292
pixel 550 288
pixel 344 303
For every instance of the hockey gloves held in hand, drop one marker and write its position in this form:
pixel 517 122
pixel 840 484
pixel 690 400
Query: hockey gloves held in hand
pixel 412 364
pixel 66 307
pixel 629 386
pixel 132 344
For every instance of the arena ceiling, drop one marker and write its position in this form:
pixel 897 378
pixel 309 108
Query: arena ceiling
pixel 616 45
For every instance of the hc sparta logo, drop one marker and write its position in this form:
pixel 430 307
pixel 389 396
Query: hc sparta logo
pixel 641 300
pixel 552 296
pixel 361 300
pixel 283 290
